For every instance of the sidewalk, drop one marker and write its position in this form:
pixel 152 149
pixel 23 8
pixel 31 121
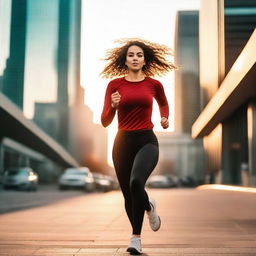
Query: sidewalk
pixel 194 222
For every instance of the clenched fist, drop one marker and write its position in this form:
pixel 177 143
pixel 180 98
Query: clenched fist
pixel 115 99
pixel 164 122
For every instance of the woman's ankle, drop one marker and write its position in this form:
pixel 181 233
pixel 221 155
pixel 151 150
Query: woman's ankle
pixel 137 236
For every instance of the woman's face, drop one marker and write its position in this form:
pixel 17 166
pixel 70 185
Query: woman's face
pixel 135 58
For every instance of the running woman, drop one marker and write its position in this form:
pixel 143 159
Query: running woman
pixel 135 151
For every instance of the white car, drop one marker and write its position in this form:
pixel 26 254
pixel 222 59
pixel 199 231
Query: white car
pixel 77 178
pixel 23 178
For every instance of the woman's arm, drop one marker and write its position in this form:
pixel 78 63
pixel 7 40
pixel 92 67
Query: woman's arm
pixel 108 111
pixel 163 105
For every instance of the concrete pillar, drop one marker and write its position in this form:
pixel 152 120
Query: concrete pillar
pixel 234 146
pixel 1 159
pixel 251 126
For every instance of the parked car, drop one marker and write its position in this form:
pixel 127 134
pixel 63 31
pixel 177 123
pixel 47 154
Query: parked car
pixel 188 182
pixel 114 183
pixel 174 180
pixel 103 182
pixel 160 181
pixel 23 178
pixel 80 178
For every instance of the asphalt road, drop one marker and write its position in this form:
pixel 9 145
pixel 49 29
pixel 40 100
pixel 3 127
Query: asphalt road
pixel 12 200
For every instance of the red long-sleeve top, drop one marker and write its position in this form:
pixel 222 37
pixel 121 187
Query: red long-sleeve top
pixel 135 107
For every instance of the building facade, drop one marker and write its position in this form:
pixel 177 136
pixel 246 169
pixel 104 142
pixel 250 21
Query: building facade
pixel 183 155
pixel 187 89
pixel 227 81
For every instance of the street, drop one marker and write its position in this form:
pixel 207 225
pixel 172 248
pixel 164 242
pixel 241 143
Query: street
pixel 13 200
pixel 194 222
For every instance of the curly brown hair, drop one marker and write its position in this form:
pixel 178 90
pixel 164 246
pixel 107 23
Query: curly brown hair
pixel 154 54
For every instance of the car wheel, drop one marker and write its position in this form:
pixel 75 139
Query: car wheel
pixel 87 189
pixel 30 188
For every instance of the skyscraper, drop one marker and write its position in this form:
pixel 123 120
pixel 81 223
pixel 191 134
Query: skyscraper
pixel 185 155
pixel 187 93
pixel 13 76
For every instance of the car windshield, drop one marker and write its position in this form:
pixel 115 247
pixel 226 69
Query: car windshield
pixel 76 172
pixel 158 178
pixel 15 172
pixel 97 176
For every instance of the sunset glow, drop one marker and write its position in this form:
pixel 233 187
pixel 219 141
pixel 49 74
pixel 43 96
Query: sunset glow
pixel 227 188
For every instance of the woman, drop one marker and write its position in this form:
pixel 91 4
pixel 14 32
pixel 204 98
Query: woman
pixel 135 150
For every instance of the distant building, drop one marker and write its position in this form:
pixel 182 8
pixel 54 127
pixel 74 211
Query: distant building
pixel 47 118
pixel 13 75
pixel 187 89
pixel 100 142
pixel 81 129
pixel 88 141
pixel 179 153
pixel 181 156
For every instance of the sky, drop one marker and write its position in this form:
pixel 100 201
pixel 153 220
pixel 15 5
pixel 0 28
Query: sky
pixel 103 22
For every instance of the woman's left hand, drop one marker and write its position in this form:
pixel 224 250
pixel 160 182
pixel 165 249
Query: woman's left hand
pixel 164 122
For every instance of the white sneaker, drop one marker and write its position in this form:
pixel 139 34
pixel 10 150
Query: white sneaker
pixel 154 219
pixel 135 246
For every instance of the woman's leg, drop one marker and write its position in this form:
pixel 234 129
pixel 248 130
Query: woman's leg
pixel 123 157
pixel 143 165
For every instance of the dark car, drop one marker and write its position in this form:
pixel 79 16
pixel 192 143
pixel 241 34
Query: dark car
pixel 188 182
pixel 103 182
pixel 20 178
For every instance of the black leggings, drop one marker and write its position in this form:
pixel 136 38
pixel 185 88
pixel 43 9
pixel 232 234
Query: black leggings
pixel 135 155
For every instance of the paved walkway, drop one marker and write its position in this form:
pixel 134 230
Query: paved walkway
pixel 194 222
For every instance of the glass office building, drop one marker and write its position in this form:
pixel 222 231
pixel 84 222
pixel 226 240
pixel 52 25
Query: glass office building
pixel 187 154
pixel 40 62
pixel 40 47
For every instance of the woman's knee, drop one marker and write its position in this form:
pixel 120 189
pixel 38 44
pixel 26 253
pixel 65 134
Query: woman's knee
pixel 136 186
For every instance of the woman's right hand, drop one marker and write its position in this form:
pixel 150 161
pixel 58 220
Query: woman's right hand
pixel 115 99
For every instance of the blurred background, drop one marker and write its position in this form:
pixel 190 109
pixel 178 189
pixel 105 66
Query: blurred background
pixel 51 94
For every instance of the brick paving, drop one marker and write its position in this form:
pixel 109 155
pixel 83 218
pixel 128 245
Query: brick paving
pixel 194 222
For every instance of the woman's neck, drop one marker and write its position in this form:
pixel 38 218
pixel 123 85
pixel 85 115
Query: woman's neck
pixel 135 76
